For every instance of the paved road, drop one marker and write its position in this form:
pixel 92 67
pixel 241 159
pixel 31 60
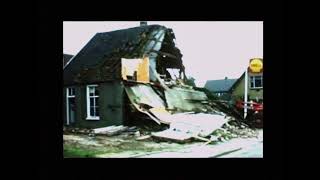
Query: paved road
pixel 253 149
pixel 235 148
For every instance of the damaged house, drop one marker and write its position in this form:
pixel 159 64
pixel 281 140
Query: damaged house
pixel 130 75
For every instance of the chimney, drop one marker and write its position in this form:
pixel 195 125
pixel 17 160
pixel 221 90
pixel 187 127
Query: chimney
pixel 143 23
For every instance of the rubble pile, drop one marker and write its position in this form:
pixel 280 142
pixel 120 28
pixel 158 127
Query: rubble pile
pixel 234 129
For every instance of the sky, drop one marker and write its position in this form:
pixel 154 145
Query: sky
pixel 211 49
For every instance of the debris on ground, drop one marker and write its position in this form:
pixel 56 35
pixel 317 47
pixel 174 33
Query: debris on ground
pixel 187 126
pixel 197 124
pixel 234 129
pixel 107 131
pixel 110 130
pixel 137 134
pixel 143 137
pixel 172 135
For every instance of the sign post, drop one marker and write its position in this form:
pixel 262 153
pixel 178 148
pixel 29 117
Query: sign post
pixel 245 93
pixel 255 66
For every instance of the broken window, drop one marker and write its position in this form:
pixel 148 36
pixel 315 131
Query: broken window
pixel 92 102
pixel 256 82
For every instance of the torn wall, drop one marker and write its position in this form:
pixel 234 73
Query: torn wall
pixel 135 70
pixel 142 58
pixel 165 96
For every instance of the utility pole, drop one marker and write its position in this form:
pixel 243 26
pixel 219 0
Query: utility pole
pixel 245 93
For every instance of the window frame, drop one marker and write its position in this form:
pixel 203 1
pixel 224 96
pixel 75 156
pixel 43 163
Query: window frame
pixel 74 92
pixel 68 96
pixel 89 117
pixel 253 81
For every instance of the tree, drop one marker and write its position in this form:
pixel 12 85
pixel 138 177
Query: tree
pixel 190 81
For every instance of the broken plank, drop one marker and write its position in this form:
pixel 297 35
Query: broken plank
pixel 115 131
pixel 153 118
pixel 111 130
pixel 201 138
pixel 169 134
pixel 143 137
pixel 99 130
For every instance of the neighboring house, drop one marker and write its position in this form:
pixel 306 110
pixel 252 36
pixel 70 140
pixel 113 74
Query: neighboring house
pixel 255 87
pixel 111 67
pixel 66 59
pixel 221 87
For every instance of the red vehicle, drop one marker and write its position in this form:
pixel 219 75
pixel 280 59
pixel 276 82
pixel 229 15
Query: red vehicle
pixel 255 112
pixel 251 105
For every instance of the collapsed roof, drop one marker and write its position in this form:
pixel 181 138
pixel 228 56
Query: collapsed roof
pixel 99 59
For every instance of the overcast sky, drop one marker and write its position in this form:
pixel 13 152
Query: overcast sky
pixel 211 49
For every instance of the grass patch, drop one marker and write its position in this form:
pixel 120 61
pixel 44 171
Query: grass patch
pixel 74 152
pixel 80 151
pixel 80 148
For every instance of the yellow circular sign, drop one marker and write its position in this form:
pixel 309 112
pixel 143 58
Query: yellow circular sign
pixel 256 65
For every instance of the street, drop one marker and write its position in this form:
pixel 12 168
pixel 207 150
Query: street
pixel 234 148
